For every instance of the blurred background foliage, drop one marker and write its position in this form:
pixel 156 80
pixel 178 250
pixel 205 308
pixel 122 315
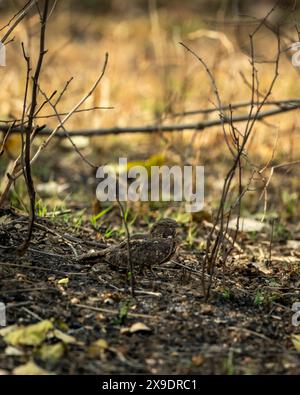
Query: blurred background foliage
pixel 150 77
pixel 136 6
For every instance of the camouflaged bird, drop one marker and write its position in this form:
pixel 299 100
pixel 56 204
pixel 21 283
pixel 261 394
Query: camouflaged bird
pixel 146 250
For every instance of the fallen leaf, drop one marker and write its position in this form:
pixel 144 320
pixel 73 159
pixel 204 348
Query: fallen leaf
pixel 296 342
pixel 63 281
pixel 51 352
pixel 6 330
pixel 13 351
pixel 137 327
pixel 66 339
pixel 30 369
pixel 31 335
pixel 98 348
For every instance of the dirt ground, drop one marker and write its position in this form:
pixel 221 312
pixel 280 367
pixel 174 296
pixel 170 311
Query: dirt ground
pixel 244 328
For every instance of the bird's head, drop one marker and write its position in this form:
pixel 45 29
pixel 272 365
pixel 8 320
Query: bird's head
pixel 164 228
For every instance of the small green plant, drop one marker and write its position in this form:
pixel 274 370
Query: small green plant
pixel 108 233
pixel 41 209
pixel 226 294
pixel 94 219
pixel 229 364
pixel 78 220
pixel 129 276
pixel 123 312
pixel 259 298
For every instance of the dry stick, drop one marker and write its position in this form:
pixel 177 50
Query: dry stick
pixel 267 181
pixel 5 139
pixel 129 260
pixel 43 105
pixel 53 106
pixel 271 242
pixel 236 141
pixel 28 71
pixel 211 256
pixel 249 128
pixel 216 92
pixel 67 117
pixel 15 16
pixel 17 124
pixel 15 173
pixel 20 17
pixel 113 312
pixel 234 106
pixel 199 126
pixel 29 128
pixel 63 91
pixel 6 184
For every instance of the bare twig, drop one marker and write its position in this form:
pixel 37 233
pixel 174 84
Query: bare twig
pixel 114 312
pixel 129 260
pixel 14 171
pixel 199 126
pixel 19 17
pixel 29 128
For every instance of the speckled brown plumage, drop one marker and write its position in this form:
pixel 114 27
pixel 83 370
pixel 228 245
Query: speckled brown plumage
pixel 146 250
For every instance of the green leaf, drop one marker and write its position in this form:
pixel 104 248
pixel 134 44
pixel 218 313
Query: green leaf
pixel 103 212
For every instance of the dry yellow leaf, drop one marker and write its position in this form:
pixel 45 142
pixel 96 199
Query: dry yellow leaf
pixel 30 369
pixel 31 335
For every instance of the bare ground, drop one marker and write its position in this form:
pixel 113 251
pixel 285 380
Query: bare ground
pixel 244 328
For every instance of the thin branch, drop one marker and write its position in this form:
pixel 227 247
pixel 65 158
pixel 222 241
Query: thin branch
pixel 234 106
pixel 200 126
pixel 67 117
pixel 19 18
pixel 29 129
pixel 129 260
pixel 17 124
